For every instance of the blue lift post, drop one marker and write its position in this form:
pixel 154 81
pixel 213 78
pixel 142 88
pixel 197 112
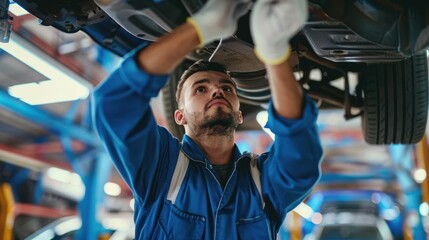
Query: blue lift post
pixel 93 166
pixel 403 158
pixel 94 197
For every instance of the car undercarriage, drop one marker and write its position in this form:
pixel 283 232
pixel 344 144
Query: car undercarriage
pixel 367 57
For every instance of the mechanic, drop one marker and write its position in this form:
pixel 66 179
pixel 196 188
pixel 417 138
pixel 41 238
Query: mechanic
pixel 204 187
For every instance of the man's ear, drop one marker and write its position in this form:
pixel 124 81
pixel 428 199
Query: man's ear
pixel 179 117
pixel 240 117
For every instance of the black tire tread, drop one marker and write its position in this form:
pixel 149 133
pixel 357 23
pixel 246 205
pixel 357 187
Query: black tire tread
pixel 396 101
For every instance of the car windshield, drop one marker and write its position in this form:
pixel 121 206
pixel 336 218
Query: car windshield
pixel 350 233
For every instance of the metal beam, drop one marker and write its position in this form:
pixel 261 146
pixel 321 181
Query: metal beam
pixel 382 174
pixel 22 161
pixel 37 149
pixel 47 120
pixel 42 211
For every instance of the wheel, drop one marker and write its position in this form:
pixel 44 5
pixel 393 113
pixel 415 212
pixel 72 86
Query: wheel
pixel 396 101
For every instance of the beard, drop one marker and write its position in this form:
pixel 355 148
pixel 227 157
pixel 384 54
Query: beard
pixel 219 123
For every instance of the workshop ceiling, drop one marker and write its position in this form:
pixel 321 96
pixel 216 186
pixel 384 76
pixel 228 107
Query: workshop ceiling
pixel 23 134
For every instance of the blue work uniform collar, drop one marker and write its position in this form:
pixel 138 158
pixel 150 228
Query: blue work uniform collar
pixel 192 150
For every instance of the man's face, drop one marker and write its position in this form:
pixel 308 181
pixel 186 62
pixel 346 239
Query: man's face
pixel 209 104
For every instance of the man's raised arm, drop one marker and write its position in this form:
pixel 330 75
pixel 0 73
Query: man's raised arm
pixel 121 112
pixel 217 19
pixel 292 166
pixel 273 24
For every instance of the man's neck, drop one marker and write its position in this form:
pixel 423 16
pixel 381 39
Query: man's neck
pixel 218 149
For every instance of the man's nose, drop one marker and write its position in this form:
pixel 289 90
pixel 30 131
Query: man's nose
pixel 218 91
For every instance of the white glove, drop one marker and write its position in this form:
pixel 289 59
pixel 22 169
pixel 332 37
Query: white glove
pixel 218 19
pixel 273 24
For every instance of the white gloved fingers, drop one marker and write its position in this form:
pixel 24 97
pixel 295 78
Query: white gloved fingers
pixel 218 18
pixel 301 11
pixel 243 6
pixel 288 17
pixel 273 16
pixel 273 24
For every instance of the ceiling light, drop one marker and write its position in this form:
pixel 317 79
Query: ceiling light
pixel 64 183
pixel 17 10
pixel 117 223
pixel 112 189
pixel 262 118
pixel 63 84
pixel 390 213
pixel 70 225
pixel 424 209
pixel 419 175
pixel 45 235
pixel 317 218
pixel 59 174
pixel 45 92
pixel 304 210
pixel 132 202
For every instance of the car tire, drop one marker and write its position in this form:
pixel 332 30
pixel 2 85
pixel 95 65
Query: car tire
pixel 169 100
pixel 396 101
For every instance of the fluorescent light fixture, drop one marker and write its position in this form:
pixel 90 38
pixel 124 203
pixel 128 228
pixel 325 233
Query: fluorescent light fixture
pixel 17 10
pixel 64 176
pixel 63 84
pixel 117 223
pixel 45 92
pixel 46 235
pixel 304 210
pixel 308 213
pixel 64 182
pixel 68 226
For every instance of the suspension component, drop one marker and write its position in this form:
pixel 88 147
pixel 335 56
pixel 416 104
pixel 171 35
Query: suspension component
pixel 5 25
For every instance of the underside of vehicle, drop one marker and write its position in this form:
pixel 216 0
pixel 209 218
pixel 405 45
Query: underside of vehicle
pixel 367 57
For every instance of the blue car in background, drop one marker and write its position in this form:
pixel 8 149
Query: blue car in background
pixel 350 226
pixel 354 214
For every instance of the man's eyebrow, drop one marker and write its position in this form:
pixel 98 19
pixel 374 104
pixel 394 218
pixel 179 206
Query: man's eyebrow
pixel 206 80
pixel 228 81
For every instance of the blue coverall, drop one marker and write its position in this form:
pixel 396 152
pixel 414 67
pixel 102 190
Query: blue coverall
pixel 192 204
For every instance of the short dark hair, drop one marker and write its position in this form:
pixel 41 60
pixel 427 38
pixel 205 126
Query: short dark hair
pixel 198 66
